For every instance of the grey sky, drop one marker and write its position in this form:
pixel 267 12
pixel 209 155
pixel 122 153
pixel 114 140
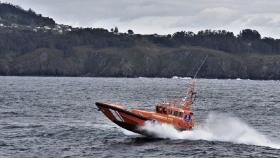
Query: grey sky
pixel 163 16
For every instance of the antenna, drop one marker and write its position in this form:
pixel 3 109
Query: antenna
pixel 191 90
pixel 200 66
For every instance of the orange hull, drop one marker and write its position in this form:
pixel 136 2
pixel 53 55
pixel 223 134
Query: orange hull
pixel 133 119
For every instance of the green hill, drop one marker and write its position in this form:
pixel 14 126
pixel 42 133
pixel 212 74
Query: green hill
pixel 10 14
pixel 40 47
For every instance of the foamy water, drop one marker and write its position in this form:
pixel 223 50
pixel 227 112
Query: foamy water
pixel 217 127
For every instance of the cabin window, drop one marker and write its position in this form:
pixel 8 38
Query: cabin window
pixel 180 114
pixel 164 111
pixel 175 113
pixel 159 109
pixel 169 111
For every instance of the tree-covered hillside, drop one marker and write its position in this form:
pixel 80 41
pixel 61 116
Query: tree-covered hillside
pixel 35 45
pixel 10 14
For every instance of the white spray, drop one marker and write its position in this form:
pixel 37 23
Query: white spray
pixel 217 127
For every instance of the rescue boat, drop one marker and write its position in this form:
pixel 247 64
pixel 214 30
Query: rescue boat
pixel 179 116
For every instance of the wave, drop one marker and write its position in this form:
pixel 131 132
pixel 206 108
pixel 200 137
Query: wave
pixel 129 133
pixel 183 78
pixel 217 127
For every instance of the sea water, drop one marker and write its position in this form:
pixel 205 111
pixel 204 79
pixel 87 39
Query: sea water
pixel 57 117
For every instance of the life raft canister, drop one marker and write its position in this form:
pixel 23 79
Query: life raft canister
pixel 187 117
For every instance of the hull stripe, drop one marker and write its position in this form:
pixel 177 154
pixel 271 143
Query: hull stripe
pixel 116 115
pixel 121 110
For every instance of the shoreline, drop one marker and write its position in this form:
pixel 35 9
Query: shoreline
pixel 140 77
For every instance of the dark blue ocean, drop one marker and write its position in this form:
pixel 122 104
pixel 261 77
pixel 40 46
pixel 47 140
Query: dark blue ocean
pixel 57 117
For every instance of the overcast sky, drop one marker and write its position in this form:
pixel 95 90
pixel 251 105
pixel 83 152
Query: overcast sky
pixel 163 16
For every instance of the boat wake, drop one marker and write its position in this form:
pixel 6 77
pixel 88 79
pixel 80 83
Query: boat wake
pixel 217 127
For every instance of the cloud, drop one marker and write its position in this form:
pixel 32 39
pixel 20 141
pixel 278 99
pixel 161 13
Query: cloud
pixel 212 17
pixel 163 16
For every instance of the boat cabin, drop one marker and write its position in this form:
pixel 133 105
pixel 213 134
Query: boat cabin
pixel 175 111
